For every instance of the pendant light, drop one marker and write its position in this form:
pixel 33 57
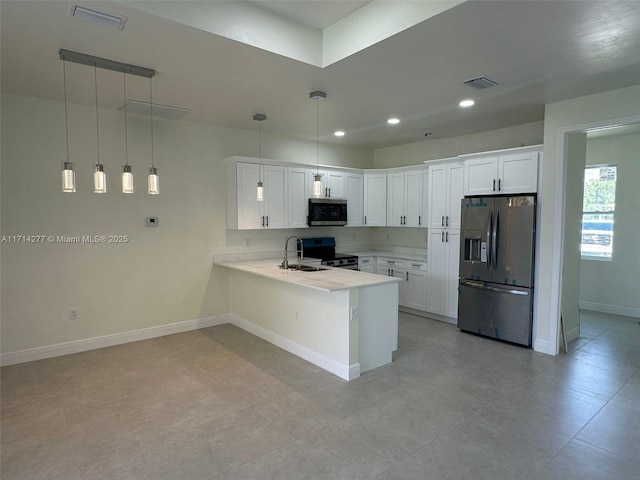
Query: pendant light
pixel 259 117
pixel 153 182
pixel 99 177
pixel 68 175
pixel 317 178
pixel 127 176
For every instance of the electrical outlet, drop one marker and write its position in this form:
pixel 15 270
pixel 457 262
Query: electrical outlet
pixel 297 316
pixel 73 314
pixel 247 241
pixel 353 314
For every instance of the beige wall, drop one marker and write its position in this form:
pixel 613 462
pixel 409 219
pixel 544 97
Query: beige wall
pixel 619 292
pixel 562 118
pixel 161 275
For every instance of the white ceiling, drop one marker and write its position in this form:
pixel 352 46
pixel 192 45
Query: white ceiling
pixel 539 51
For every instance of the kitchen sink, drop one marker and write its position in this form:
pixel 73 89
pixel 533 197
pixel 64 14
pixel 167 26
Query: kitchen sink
pixel 306 268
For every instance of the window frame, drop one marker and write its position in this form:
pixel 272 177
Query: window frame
pixel 609 255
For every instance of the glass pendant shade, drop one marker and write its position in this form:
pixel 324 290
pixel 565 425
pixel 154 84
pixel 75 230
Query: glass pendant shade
pixel 153 182
pixel 68 178
pixel 317 185
pixel 99 179
pixel 127 179
pixel 260 192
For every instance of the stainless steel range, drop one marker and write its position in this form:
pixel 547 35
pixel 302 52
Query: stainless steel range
pixel 324 248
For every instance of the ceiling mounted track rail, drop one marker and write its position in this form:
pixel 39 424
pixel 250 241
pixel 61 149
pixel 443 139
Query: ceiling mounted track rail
pixel 84 59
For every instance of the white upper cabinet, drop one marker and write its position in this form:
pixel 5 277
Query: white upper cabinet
pixel 244 211
pixel 512 171
pixel 333 182
pixel 354 193
pixel 404 198
pixel 445 193
pixel 375 199
pixel 298 188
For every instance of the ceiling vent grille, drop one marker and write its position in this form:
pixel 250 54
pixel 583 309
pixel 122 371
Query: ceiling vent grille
pixel 93 15
pixel 480 83
pixel 159 111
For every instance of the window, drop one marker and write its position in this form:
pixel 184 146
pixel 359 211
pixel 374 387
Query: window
pixel 598 209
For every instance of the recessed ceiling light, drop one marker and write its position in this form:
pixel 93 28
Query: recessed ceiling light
pixel 467 103
pixel 393 121
pixel 339 133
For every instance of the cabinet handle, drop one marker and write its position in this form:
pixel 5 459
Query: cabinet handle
pixel 447 236
pixel 442 237
pixel 419 219
pixel 443 220
pixel 365 219
pixel 407 276
pixel 263 220
pixel 329 193
pixel 494 184
pixel 267 220
pixel 499 184
pixel 447 222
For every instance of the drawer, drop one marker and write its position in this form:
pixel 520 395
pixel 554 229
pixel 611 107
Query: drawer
pixel 391 262
pixel 413 265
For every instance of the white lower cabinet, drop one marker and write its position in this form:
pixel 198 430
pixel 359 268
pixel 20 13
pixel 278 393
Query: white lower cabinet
pixel 366 264
pixel 442 280
pixel 413 288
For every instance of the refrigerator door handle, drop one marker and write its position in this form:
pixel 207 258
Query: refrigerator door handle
pixel 494 241
pixel 489 229
pixel 492 289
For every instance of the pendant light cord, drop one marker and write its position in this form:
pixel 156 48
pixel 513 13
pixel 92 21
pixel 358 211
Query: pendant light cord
pixel 317 136
pixel 66 117
pixel 95 78
pixel 151 116
pixel 126 140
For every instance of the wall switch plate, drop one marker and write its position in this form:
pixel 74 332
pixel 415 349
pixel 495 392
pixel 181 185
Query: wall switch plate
pixel 353 313
pixel 152 221
pixel 73 314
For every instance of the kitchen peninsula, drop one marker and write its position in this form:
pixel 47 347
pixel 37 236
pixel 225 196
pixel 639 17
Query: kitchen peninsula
pixel 343 321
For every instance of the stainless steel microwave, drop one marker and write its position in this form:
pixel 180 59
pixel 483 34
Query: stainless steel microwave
pixel 327 212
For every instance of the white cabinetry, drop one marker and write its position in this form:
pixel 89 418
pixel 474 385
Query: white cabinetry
pixel 244 212
pixel 367 264
pixel 404 198
pixel 354 193
pixel 298 193
pixel 333 182
pixel 412 291
pixel 375 199
pixel 505 172
pixel 445 193
pixel 442 284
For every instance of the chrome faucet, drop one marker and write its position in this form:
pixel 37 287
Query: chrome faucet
pixel 285 260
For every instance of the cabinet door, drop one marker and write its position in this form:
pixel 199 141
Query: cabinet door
pixel 335 184
pixel 481 176
pixel 437 283
pixel 402 288
pixel 249 210
pixel 375 200
pixel 518 172
pixel 354 193
pixel 422 219
pixel 275 196
pixel 298 193
pixel 437 202
pixel 415 290
pixel 413 198
pixel 395 199
pixel 366 264
pixel 452 241
pixel 455 195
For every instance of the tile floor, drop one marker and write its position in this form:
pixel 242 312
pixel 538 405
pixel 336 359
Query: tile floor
pixel 221 404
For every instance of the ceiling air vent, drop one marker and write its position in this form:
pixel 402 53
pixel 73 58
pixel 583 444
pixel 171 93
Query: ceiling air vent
pixel 93 15
pixel 159 111
pixel 480 83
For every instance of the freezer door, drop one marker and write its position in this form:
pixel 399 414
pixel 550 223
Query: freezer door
pixel 494 311
pixel 476 215
pixel 513 240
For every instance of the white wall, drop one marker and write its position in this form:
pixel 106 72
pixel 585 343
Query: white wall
pixel 163 274
pixel 560 119
pixel 612 285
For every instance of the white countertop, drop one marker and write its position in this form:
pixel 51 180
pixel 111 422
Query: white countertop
pixel 329 280
pixel 384 253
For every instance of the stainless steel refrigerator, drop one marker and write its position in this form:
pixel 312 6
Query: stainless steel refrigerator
pixel 495 294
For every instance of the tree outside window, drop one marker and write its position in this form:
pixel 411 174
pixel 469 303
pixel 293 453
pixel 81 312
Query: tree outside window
pixel 598 211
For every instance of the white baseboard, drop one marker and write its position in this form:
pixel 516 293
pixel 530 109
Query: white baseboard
pixel 49 351
pixel 544 346
pixel 612 309
pixel 573 334
pixel 346 372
